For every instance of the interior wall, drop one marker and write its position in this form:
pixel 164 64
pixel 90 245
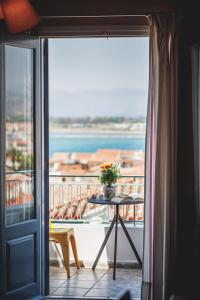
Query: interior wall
pixel 187 260
pixel 98 13
pixel 87 250
pixel 103 7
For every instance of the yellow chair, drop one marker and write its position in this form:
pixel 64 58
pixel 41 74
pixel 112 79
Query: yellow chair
pixel 63 236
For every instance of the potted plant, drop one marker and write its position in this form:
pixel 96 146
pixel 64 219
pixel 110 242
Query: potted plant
pixel 109 173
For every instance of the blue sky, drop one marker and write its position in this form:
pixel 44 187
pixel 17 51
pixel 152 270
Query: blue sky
pixel 98 77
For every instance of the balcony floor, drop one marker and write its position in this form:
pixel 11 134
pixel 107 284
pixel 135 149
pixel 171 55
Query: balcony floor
pixel 89 284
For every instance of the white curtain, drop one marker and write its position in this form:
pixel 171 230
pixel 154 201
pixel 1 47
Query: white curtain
pixel 161 158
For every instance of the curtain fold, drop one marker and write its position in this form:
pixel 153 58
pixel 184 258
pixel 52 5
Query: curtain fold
pixel 161 158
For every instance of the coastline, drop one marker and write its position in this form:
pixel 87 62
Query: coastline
pixel 96 132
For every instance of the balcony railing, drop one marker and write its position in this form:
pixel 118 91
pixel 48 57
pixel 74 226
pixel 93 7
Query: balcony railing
pixel 19 198
pixel 68 199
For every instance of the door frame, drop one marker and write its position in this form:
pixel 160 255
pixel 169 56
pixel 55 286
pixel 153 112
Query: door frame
pixel 93 31
pixel 2 166
pixel 45 187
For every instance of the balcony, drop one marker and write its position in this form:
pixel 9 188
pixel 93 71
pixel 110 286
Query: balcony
pixel 68 205
pixel 87 284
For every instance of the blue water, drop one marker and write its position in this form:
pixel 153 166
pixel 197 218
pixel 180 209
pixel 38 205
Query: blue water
pixel 91 143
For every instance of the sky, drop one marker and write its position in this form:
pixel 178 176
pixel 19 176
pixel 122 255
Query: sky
pixel 98 77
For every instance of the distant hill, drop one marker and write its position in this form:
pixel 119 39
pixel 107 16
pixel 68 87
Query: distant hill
pixel 15 108
pixel 96 120
pixel 117 102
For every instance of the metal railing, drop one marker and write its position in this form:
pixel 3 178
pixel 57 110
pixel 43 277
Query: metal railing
pixel 19 199
pixel 68 199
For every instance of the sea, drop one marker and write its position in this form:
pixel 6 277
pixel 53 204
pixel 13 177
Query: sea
pixel 62 142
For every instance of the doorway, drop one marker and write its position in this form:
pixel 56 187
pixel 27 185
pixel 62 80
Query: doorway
pixel 88 127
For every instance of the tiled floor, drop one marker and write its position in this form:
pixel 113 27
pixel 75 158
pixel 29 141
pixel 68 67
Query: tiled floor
pixel 99 284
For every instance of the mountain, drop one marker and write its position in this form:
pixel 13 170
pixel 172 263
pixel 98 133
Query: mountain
pixel 115 102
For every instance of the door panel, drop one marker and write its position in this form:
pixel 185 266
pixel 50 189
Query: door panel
pixel 21 183
pixel 15 250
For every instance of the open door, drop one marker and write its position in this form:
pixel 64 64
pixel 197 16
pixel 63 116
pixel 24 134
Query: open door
pixel 21 169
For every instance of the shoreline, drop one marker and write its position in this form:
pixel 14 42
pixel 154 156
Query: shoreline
pixel 96 133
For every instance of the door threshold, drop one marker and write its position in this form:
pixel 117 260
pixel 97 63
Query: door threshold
pixel 75 298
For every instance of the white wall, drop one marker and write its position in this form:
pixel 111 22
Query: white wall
pixel 89 238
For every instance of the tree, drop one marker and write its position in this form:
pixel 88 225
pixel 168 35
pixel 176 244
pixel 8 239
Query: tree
pixel 20 161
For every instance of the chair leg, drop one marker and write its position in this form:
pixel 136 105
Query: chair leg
pixel 55 244
pixel 74 249
pixel 65 251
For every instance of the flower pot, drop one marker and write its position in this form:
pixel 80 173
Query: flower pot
pixel 109 192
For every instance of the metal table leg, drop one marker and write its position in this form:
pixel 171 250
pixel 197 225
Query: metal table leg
pixel 115 247
pixel 115 221
pixel 104 243
pixel 130 242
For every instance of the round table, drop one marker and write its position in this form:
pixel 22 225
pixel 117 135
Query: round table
pixel 117 218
